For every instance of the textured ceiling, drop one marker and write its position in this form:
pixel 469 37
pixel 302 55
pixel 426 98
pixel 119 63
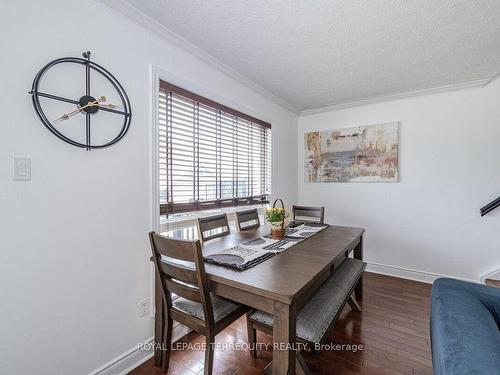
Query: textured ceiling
pixel 315 53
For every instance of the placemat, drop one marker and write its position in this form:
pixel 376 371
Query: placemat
pixel 251 253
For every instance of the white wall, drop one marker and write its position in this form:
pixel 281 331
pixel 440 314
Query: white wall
pixel 73 245
pixel 449 168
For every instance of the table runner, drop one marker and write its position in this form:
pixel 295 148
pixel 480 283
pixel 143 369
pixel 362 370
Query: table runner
pixel 253 252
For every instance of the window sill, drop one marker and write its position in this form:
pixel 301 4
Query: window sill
pixel 188 220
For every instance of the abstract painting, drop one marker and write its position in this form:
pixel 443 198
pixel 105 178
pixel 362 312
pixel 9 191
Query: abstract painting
pixel 360 154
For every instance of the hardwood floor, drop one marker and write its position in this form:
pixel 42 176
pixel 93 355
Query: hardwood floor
pixel 393 328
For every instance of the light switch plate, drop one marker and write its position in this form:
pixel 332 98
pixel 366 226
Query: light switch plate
pixel 21 169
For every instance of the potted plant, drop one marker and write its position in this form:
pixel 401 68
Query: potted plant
pixel 276 216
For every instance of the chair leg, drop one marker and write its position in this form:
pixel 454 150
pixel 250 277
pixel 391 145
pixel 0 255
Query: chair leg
pixel 159 320
pixel 301 367
pixel 166 344
pixel 209 354
pixel 354 304
pixel 252 338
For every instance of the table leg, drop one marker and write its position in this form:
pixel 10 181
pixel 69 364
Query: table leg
pixel 284 339
pixel 159 321
pixel 358 254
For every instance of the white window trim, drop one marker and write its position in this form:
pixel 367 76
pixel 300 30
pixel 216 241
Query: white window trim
pixel 156 74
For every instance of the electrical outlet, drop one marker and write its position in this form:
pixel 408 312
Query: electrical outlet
pixel 143 307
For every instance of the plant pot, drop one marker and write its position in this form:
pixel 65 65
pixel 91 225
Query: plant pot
pixel 277 233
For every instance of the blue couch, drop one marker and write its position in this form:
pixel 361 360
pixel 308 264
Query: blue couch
pixel 465 328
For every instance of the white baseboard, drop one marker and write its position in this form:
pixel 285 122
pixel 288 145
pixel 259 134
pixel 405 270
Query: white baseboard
pixel 493 274
pixel 135 357
pixel 406 273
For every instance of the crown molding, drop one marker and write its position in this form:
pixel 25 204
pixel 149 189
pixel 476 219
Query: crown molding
pixel 402 95
pixel 134 15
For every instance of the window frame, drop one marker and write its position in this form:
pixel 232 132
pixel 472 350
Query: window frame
pixel 169 208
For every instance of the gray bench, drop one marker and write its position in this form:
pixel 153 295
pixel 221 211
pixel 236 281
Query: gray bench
pixel 321 311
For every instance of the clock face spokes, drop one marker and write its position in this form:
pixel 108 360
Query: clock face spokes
pixel 87 120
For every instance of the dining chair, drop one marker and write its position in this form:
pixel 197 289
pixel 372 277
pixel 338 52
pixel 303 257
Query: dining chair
pixel 304 214
pixel 248 219
pixel 212 227
pixel 179 265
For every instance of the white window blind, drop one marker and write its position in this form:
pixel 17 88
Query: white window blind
pixel 210 155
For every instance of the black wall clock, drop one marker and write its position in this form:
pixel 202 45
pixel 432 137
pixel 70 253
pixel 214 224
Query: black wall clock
pixel 84 106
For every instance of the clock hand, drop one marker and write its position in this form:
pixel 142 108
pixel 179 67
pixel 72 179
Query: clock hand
pixel 66 116
pixel 109 105
pixel 79 109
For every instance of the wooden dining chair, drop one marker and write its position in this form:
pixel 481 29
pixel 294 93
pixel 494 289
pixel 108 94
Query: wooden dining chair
pixel 248 219
pixel 303 214
pixel 179 265
pixel 212 227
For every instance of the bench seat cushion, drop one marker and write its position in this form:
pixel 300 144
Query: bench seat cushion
pixel 316 316
pixel 222 307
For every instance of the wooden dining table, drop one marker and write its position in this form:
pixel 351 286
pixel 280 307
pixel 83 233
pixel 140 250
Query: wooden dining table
pixel 280 285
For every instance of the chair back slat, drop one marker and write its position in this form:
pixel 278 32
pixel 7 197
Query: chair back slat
pixel 213 227
pixel 184 291
pixel 309 214
pixel 180 272
pixel 175 248
pixel 248 219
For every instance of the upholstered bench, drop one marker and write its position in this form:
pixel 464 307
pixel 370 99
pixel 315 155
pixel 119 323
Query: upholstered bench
pixel 465 328
pixel 321 311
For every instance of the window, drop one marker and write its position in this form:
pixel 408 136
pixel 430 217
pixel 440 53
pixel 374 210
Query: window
pixel 210 156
